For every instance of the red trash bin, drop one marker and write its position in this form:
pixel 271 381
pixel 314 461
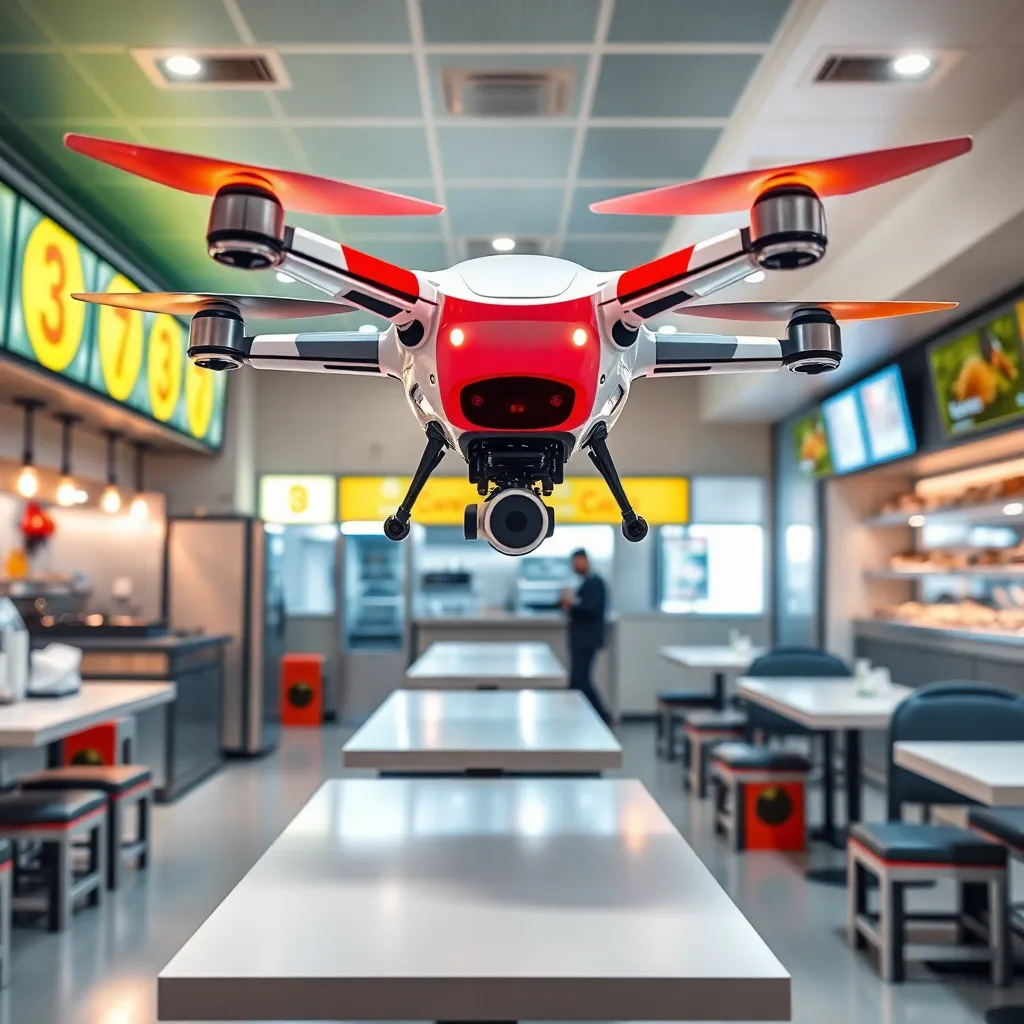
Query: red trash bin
pixel 302 689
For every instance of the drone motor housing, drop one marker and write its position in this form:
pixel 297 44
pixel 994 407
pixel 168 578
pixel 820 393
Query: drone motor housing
pixel 216 339
pixel 813 342
pixel 246 228
pixel 514 521
pixel 787 228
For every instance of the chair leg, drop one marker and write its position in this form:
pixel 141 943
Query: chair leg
pixel 60 856
pixel 143 859
pixel 999 931
pixel 99 864
pixel 115 836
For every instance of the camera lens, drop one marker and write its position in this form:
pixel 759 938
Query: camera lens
pixel 515 521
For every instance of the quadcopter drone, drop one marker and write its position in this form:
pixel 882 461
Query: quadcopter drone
pixel 515 361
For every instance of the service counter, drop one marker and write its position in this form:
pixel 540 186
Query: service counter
pixel 181 742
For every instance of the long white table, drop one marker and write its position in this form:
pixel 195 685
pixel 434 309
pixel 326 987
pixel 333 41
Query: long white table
pixel 538 731
pixel 38 721
pixel 990 772
pixel 828 705
pixel 458 665
pixel 477 899
pixel 720 659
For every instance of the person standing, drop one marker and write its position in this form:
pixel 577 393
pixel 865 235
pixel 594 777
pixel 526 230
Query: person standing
pixel 586 614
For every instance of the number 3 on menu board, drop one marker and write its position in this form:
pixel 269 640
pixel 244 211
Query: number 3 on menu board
pixel 120 334
pixel 51 271
pixel 166 344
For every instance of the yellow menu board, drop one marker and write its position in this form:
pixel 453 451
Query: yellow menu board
pixel 660 500
pixel 297 499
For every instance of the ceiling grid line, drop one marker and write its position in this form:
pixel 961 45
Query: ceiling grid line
pixel 587 95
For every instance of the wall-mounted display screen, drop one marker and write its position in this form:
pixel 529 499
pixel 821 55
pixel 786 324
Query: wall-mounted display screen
pixel 845 429
pixel 811 445
pixel 883 404
pixel 136 360
pixel 977 376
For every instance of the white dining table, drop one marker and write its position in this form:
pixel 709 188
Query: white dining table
pixel 521 731
pixel 990 772
pixel 721 659
pixel 476 665
pixel 477 899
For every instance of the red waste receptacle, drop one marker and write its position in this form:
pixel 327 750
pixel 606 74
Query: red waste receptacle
pixel 302 689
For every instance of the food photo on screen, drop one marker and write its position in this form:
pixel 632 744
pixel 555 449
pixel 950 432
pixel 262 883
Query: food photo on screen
pixel 977 376
pixel 845 432
pixel 811 445
pixel 884 404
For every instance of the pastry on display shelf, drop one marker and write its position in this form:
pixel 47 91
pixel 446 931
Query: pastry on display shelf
pixel 956 615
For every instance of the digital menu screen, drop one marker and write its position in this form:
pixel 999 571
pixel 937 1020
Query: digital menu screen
pixel 810 444
pixel 883 404
pixel 845 429
pixel 977 376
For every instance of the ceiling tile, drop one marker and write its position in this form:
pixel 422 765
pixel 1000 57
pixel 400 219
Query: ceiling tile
pixel 360 227
pixel 505 211
pixel 582 221
pixel 608 255
pixel 327 21
pixel 358 154
pixel 155 210
pixel 138 22
pixel 437 62
pixel 509 21
pixel 416 255
pixel 696 21
pixel 45 85
pixel 508 152
pixel 674 154
pixel 672 85
pixel 16 27
pixel 351 85
pixel 138 97
pixel 247 144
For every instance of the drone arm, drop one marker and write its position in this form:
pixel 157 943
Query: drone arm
pixel 700 354
pixel 356 277
pixel 674 280
pixel 317 352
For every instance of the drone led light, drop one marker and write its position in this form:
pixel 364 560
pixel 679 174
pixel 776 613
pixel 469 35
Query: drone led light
pixel 579 337
pixel 457 336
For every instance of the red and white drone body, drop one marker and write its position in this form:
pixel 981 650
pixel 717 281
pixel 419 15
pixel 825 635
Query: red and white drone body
pixel 515 361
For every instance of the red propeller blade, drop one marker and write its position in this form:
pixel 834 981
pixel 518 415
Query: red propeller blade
pixel 770 312
pixel 836 177
pixel 267 307
pixel 202 175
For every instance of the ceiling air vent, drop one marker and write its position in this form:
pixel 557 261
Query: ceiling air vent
pixel 516 93
pixel 213 69
pixel 476 247
pixel 868 68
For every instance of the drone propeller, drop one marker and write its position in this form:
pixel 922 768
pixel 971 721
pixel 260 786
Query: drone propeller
pixel 769 312
pixel 303 193
pixel 267 307
pixel 840 176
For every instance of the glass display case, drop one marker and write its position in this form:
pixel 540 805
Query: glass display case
pixel 373 571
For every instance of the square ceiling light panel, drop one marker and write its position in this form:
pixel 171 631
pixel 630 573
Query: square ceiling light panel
pixel 672 85
pixel 397 156
pixel 668 154
pixel 505 211
pixel 502 153
pixel 696 21
pixel 327 21
pixel 139 22
pixel 351 85
pixel 509 21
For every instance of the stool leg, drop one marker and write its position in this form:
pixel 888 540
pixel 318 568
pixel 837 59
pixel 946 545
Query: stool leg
pixel 659 735
pixel 144 831
pixel 60 855
pixel 99 862
pixel 115 835
pixel 700 770
pixel 891 920
pixel 999 931
pixel 739 824
pixel 6 893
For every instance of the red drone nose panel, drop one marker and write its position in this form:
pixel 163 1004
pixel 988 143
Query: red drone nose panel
pixel 518 368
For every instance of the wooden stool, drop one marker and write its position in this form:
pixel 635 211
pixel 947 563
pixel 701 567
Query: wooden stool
pixel 122 786
pixel 759 796
pixel 701 731
pixel 54 819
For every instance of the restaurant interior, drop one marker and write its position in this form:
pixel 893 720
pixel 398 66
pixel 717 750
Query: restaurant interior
pixel 279 741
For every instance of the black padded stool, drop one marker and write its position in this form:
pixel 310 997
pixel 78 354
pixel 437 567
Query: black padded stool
pixel 55 819
pixel 702 730
pixel 672 705
pixel 122 785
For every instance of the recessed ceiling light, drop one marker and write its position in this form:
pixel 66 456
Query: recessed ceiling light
pixel 284 278
pixel 667 329
pixel 503 244
pixel 912 65
pixel 183 66
pixel 368 329
pixel 755 278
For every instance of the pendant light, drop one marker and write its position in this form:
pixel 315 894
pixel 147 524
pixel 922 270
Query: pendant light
pixel 67 489
pixel 28 479
pixel 110 501
pixel 140 507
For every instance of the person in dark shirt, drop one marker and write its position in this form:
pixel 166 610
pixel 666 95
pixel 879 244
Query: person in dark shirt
pixel 586 612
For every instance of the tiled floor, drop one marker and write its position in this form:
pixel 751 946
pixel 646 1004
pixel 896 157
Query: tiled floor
pixel 103 970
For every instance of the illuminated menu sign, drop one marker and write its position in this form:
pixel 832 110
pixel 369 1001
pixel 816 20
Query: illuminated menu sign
pixel 297 499
pixel 134 359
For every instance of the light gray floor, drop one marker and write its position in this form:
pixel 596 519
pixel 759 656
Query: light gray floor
pixel 103 970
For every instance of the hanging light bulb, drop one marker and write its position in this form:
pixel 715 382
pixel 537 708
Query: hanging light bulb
pixel 27 483
pixel 110 500
pixel 67 489
pixel 139 509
